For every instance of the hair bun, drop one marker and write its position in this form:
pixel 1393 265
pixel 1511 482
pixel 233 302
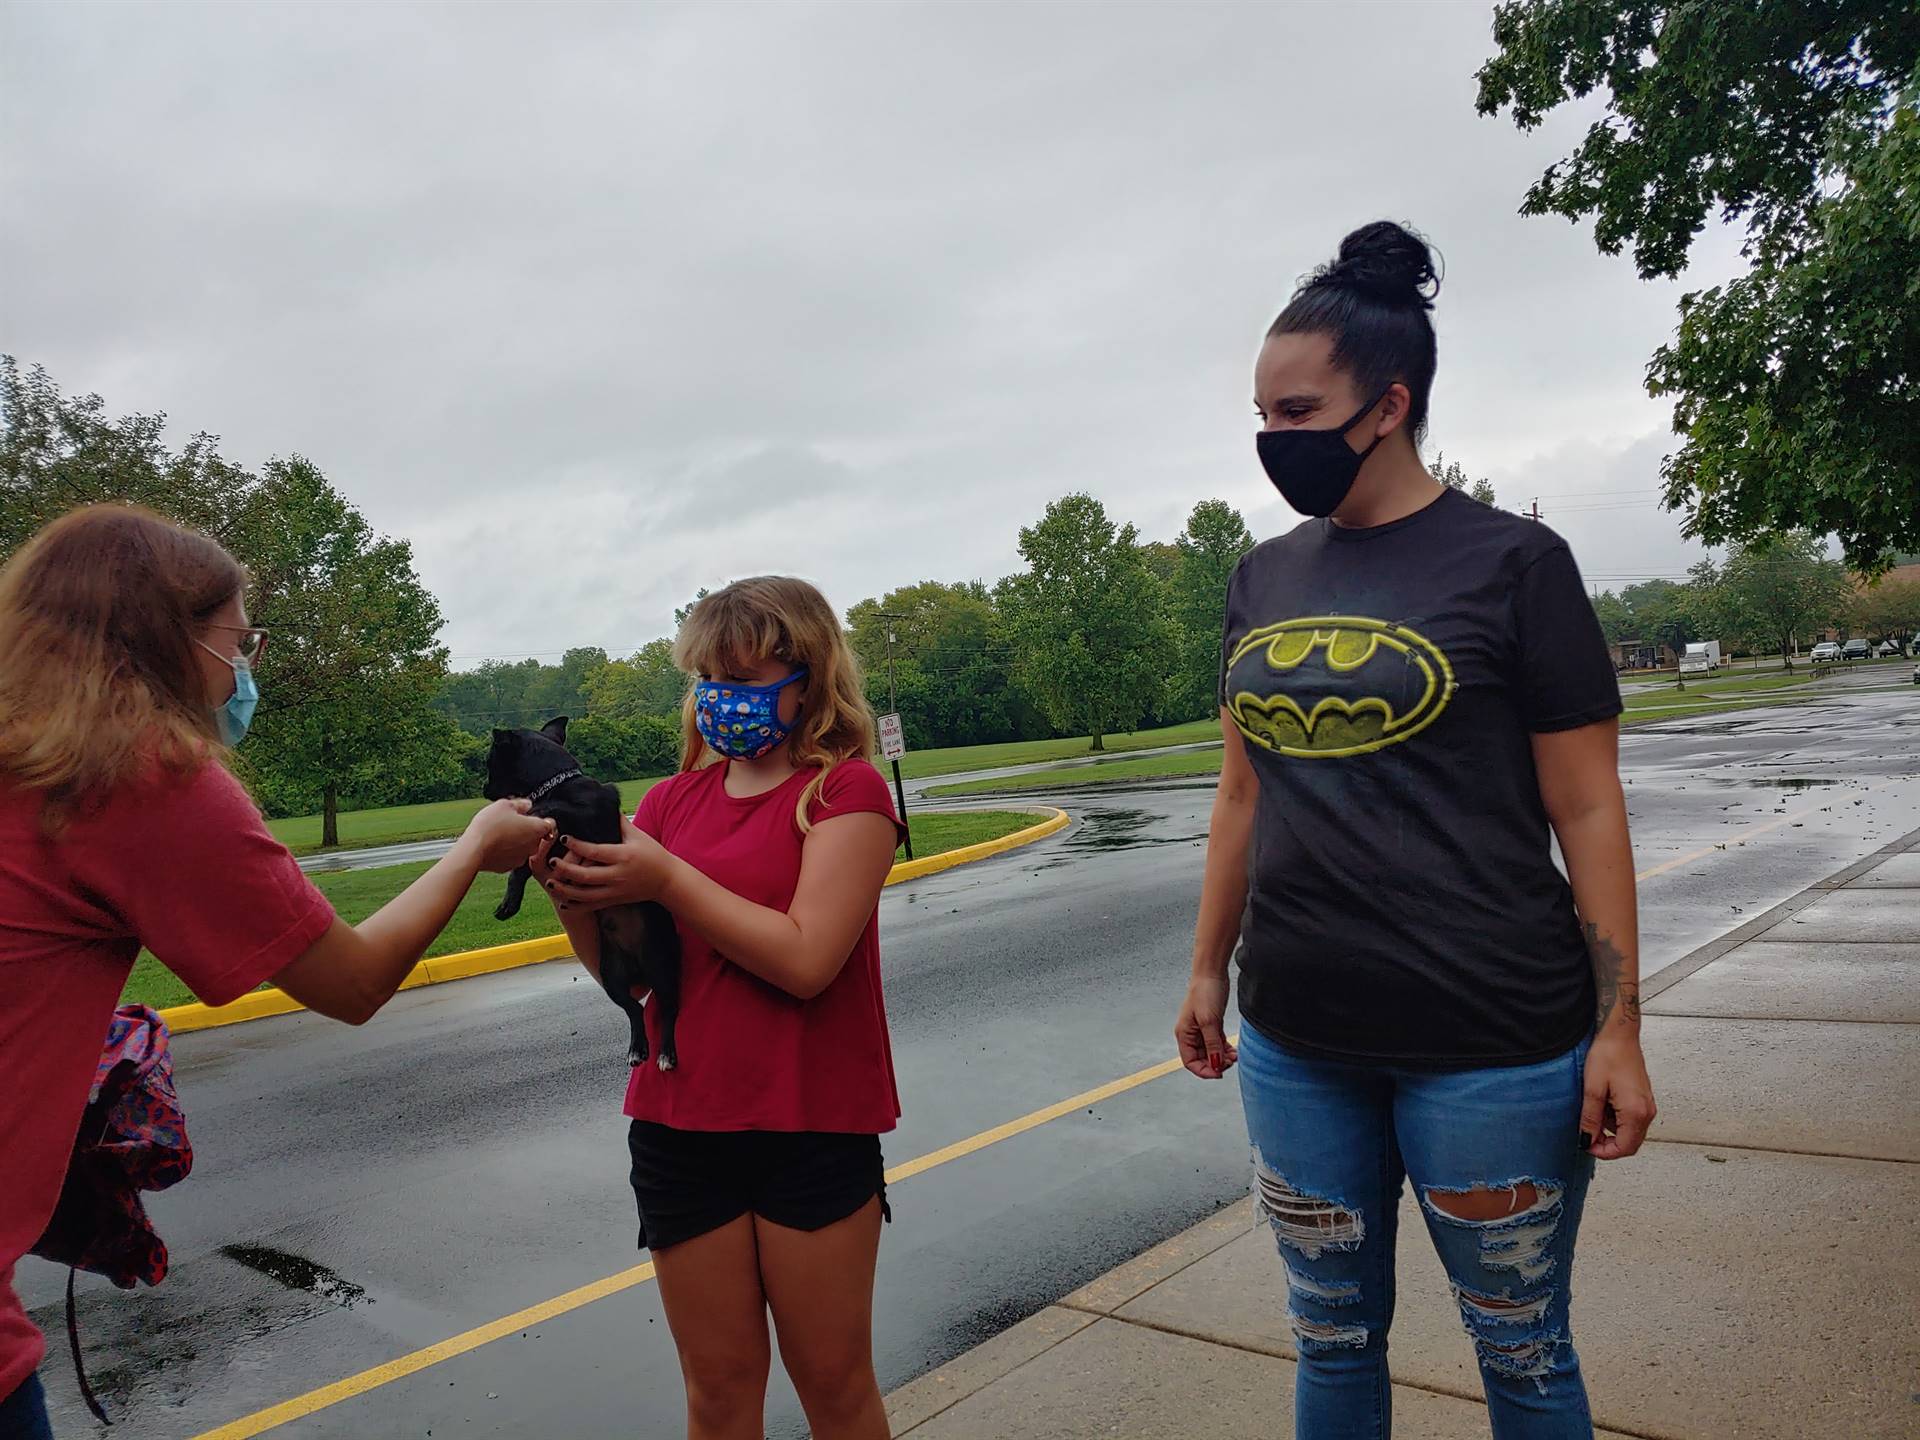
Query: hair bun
pixel 1387 262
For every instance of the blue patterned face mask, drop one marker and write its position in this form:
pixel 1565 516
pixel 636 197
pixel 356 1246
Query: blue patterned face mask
pixel 741 722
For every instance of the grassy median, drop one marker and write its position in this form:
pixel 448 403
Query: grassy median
pixel 356 894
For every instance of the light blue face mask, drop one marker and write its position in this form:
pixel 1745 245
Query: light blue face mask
pixel 237 714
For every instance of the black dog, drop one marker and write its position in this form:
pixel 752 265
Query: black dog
pixel 638 944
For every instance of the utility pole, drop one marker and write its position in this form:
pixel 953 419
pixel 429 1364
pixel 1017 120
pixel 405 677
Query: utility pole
pixel 1534 513
pixel 893 704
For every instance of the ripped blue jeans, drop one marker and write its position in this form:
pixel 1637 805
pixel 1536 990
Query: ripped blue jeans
pixel 1496 1165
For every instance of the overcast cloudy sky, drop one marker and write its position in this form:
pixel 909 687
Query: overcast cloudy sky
pixel 596 305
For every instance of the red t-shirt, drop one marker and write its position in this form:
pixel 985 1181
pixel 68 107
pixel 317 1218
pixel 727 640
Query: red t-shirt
pixel 752 1057
pixel 181 865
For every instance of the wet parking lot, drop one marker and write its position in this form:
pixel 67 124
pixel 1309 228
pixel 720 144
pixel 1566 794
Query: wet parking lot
pixel 363 1197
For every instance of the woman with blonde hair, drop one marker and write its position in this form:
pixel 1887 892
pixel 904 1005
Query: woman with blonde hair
pixel 126 669
pixel 756 1163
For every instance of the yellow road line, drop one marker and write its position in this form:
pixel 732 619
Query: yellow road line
pixel 313 1401
pixel 1034 1121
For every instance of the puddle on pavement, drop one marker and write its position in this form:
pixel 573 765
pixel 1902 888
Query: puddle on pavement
pixel 1103 829
pixel 298 1273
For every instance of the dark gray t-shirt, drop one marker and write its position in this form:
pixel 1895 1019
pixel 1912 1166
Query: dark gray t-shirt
pixel 1403 904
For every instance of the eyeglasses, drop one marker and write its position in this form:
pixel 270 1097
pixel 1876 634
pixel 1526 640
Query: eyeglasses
pixel 252 643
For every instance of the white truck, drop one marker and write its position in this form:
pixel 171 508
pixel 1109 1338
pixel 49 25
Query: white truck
pixel 1702 657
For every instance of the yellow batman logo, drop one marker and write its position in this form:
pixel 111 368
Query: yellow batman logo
pixel 1374 684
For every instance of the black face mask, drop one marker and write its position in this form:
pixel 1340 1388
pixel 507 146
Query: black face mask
pixel 1314 469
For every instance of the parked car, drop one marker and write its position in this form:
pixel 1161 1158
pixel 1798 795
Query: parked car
pixel 1825 653
pixel 1886 649
pixel 1916 674
pixel 1856 649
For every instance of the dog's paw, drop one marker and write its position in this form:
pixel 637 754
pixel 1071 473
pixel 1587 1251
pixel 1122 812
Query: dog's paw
pixel 635 1059
pixel 666 1062
pixel 505 912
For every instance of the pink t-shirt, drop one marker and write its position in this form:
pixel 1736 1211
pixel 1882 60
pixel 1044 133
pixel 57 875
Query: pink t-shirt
pixel 753 1057
pixel 182 865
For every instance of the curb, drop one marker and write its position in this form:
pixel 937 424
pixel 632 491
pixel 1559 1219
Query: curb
pixel 260 1004
pixel 1056 820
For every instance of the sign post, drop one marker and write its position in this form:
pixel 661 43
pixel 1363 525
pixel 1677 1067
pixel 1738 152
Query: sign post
pixel 893 744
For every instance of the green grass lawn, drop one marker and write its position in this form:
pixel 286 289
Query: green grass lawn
pixel 398 824
pixel 1147 767
pixel 1719 685
pixel 356 894
pixel 957 759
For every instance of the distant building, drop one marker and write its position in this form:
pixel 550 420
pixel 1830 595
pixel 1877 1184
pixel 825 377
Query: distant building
pixel 1643 655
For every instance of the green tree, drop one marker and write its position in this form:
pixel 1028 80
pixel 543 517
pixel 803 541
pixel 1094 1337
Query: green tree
pixel 681 612
pixel 1162 559
pixel 1662 613
pixel 1889 610
pixel 611 747
pixel 1209 549
pixel 562 689
pixel 951 662
pixel 645 683
pixel 354 664
pixel 1091 637
pixel 1615 616
pixel 58 452
pixel 354 667
pixel 1783 589
pixel 493 693
pixel 1454 476
pixel 1797 386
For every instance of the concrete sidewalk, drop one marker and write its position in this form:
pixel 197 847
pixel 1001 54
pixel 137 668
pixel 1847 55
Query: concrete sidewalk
pixel 1753 1273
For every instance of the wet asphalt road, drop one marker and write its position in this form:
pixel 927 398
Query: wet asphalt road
pixel 361 1194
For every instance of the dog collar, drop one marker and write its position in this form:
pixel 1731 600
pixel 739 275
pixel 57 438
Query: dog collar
pixel 560 779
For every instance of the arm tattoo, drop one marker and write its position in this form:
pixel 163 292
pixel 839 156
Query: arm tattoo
pixel 1607 964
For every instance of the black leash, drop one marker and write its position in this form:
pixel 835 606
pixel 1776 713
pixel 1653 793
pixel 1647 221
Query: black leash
pixel 79 1370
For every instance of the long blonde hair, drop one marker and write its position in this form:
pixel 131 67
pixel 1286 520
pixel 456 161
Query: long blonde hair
pixel 776 617
pixel 98 679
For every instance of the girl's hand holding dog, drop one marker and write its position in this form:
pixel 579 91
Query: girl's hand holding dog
pixel 595 876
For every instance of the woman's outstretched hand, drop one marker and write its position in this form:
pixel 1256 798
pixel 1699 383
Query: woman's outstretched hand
pixel 502 833
pixel 596 876
pixel 1200 1032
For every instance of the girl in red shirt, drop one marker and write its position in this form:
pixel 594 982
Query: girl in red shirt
pixel 756 1162
pixel 126 669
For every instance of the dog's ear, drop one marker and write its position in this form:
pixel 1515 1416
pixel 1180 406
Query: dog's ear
pixel 556 729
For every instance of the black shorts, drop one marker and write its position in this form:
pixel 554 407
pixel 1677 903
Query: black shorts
pixel 688 1182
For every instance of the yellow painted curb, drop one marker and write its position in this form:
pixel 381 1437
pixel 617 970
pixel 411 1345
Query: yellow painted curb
pixel 261 1003
pixel 966 854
